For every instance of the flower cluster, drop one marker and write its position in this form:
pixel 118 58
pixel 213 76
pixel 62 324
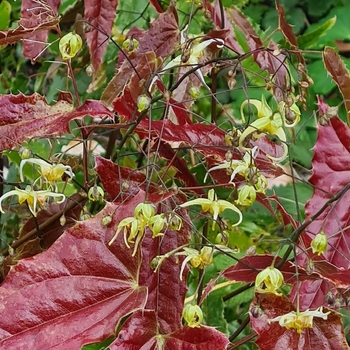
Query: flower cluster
pixel 256 182
pixel 50 174
pixel 144 216
pixel 270 122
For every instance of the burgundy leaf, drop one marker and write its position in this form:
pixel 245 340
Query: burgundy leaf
pixel 324 335
pixel 155 44
pixel 21 32
pixel 23 117
pixel 75 292
pixel 101 15
pixel 215 16
pixel 141 332
pixel 340 74
pixel 286 28
pixel 331 172
pixel 119 182
pixel 33 13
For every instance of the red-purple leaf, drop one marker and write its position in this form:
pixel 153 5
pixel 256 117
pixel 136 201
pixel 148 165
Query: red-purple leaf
pixel 324 335
pixel 286 28
pixel 101 14
pixel 75 292
pixel 331 173
pixel 156 5
pixel 14 35
pixel 340 74
pixel 215 16
pixel 248 267
pixel 23 117
pixel 35 16
pixel 141 332
pixel 155 44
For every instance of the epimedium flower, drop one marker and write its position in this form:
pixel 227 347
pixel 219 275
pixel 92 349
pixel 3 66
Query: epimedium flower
pixel 49 172
pixel 246 195
pixel 33 198
pixel 237 166
pixel 269 121
pixel 192 51
pixel 299 320
pixel 156 224
pixel 269 280
pixel 193 315
pixel 70 45
pixel 319 243
pixel 214 206
pixel 197 259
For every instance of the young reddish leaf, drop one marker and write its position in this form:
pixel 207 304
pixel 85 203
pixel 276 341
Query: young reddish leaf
pixel 101 15
pixel 158 43
pixel 331 172
pixel 215 16
pixel 75 292
pixel 23 117
pixel 119 182
pixel 156 5
pixel 21 32
pixel 285 27
pixel 180 164
pixel 140 331
pixel 35 16
pixel 324 335
pixel 340 74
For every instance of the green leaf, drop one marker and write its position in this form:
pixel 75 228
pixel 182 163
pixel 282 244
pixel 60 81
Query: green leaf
pixel 307 40
pixel 5 15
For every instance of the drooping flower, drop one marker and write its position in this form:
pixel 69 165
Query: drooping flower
pixel 192 51
pixel 236 166
pixel 246 195
pixel 193 315
pixel 214 206
pixel 299 320
pixel 269 280
pixel 319 243
pixel 31 197
pixel 269 121
pixel 49 172
pixel 197 259
pixel 70 45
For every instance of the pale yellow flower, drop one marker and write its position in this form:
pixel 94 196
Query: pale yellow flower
pixel 269 280
pixel 299 320
pixel 70 45
pixel 214 206
pixel 193 315
pixel 31 197
pixel 319 243
pixel 49 172
pixel 237 166
pixel 269 121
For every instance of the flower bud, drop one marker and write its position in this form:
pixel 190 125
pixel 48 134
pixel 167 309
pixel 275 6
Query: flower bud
pixel 63 220
pixel 96 193
pixel 319 243
pixel 143 102
pixel 106 220
pixel 193 315
pixel 70 45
